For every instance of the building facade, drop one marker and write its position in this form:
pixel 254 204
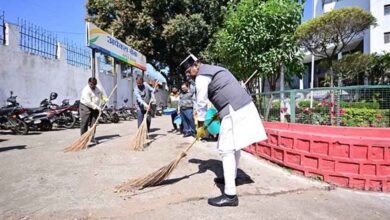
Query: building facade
pixel 375 40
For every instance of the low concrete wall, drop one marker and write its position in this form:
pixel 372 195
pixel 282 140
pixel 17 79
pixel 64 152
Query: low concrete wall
pixel 357 158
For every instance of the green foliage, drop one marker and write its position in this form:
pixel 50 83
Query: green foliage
pixel 360 105
pixel 327 35
pixel 380 72
pixel 355 117
pixel 306 103
pixel 259 35
pixel 163 30
pixel 351 66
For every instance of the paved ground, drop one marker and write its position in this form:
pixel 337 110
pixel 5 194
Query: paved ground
pixel 39 181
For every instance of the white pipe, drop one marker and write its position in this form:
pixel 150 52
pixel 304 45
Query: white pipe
pixel 312 60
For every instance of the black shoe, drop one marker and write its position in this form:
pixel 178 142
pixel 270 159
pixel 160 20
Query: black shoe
pixel 221 180
pixel 94 141
pixel 186 135
pixel 223 200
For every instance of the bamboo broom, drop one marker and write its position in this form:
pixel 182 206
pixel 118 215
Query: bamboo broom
pixel 81 142
pixel 161 174
pixel 139 141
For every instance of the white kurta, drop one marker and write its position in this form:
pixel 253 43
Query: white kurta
pixel 241 128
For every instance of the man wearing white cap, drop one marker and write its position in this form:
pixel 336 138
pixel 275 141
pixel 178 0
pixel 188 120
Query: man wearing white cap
pixel 241 125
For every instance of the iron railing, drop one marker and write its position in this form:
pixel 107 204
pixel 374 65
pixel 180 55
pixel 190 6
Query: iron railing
pixel 78 56
pixel 2 28
pixel 357 106
pixel 36 40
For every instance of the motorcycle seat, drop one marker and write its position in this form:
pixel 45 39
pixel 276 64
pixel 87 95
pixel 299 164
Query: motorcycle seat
pixel 6 110
pixel 35 110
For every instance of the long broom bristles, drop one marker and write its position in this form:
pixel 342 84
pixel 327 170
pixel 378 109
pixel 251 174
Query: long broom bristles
pixel 154 178
pixel 82 142
pixel 139 141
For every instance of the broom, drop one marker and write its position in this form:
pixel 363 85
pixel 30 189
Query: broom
pixel 139 141
pixel 81 142
pixel 161 174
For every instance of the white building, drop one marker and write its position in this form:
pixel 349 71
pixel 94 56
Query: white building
pixel 375 40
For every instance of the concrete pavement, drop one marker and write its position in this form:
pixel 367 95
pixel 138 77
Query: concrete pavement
pixel 39 181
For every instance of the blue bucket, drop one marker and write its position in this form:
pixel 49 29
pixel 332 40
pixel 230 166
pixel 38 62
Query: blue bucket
pixel 177 120
pixel 215 126
pixel 169 111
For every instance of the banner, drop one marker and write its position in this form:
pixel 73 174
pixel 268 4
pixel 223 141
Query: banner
pixel 105 43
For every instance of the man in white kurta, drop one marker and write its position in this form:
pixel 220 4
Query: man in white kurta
pixel 241 125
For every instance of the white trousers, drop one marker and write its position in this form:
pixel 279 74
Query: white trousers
pixel 230 161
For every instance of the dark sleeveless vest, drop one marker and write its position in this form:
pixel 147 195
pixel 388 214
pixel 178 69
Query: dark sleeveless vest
pixel 224 89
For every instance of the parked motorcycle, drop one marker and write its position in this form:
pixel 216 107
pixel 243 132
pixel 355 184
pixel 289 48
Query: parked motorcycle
pixel 74 109
pixel 42 118
pixel 109 115
pixel 11 116
pixel 63 116
pixel 126 112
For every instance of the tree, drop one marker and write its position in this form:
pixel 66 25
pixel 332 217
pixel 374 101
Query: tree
pixel 165 31
pixel 259 35
pixel 329 34
pixel 380 73
pixel 352 67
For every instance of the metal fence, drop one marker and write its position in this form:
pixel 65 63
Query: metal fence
pixel 2 28
pixel 36 40
pixel 354 106
pixel 77 56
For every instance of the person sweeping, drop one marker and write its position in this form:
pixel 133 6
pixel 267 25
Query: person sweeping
pixel 143 93
pixel 241 125
pixel 90 100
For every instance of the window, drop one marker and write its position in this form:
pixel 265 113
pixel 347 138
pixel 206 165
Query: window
pixel 387 9
pixel 387 37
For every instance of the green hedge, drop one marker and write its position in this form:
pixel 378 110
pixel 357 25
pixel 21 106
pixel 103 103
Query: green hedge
pixel 355 117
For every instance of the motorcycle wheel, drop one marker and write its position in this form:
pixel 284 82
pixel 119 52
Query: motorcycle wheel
pixel 45 126
pixel 20 128
pixel 126 116
pixel 103 119
pixel 69 120
pixel 114 118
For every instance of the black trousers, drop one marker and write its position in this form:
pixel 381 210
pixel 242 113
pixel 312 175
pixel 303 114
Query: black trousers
pixel 88 117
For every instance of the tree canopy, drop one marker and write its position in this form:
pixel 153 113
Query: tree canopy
pixel 165 31
pixel 329 34
pixel 260 35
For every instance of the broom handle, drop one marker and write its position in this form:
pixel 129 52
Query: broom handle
pixel 150 102
pixel 253 74
pixel 205 127
pixel 105 105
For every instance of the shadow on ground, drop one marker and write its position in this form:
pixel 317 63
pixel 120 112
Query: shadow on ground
pixel 17 147
pixel 107 137
pixel 214 166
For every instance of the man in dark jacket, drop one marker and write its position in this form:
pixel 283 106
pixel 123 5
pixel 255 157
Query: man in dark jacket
pixel 240 126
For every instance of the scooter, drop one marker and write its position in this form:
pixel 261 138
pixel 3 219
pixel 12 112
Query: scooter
pixel 11 116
